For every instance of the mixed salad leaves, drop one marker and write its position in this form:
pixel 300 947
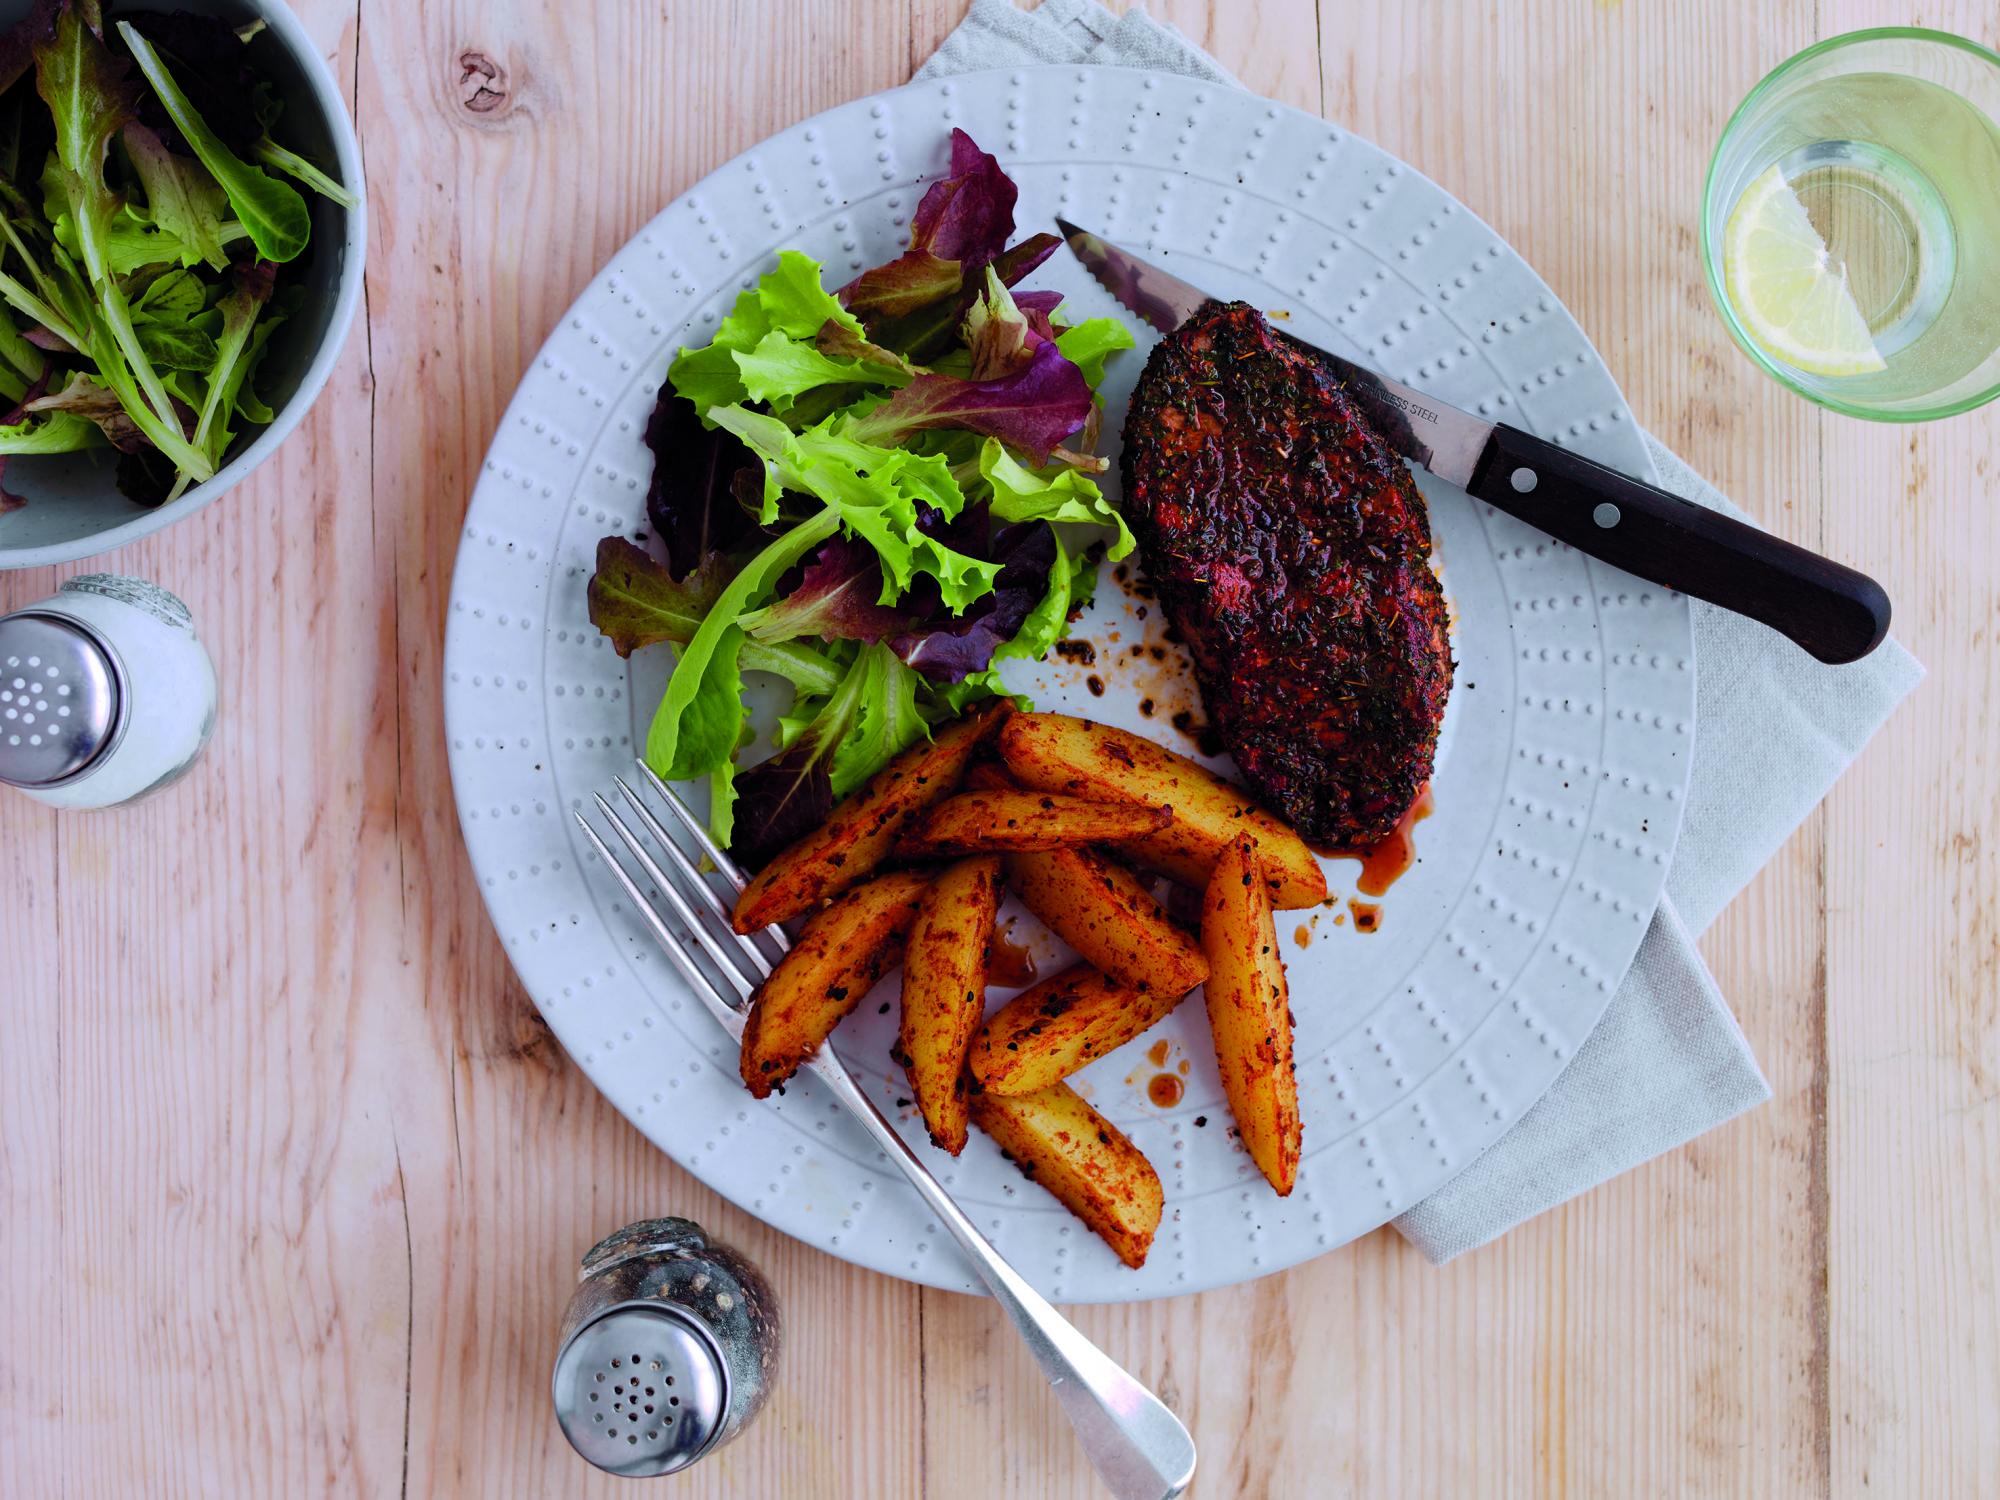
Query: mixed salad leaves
pixel 877 494
pixel 142 239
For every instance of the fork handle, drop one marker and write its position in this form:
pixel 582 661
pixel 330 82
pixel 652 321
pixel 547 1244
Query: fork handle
pixel 1138 1447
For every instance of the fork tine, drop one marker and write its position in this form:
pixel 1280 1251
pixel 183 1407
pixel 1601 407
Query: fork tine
pixel 662 933
pixel 724 959
pixel 694 826
pixel 687 867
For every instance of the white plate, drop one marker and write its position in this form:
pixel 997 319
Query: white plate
pixel 1564 758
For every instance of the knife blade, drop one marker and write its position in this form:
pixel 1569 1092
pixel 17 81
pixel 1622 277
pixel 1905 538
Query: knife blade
pixel 1834 612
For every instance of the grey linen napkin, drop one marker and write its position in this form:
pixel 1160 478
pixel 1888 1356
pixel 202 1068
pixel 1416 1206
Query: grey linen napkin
pixel 1773 731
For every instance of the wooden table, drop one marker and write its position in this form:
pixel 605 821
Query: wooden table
pixel 293 1180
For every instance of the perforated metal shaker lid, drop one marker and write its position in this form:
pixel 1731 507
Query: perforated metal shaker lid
pixel 62 699
pixel 641 1390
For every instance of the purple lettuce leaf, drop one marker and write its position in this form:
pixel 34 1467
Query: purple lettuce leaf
pixel 913 303
pixel 906 285
pixel 953 648
pixel 833 599
pixel 90 399
pixel 779 801
pixel 693 500
pixel 1038 308
pixel 968 215
pixel 1018 260
pixel 837 341
pixel 923 335
pixel 961 224
pixel 637 602
pixel 999 334
pixel 1034 408
pixel 18 42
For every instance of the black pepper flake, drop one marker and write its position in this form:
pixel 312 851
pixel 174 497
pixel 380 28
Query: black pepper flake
pixel 882 1009
pixel 1201 1120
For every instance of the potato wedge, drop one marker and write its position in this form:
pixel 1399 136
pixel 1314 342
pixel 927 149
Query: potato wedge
pixel 848 846
pixel 1250 1015
pixel 1105 912
pixel 1087 1162
pixel 989 776
pixel 984 822
pixel 837 960
pixel 1051 1029
pixel 944 992
pixel 1057 753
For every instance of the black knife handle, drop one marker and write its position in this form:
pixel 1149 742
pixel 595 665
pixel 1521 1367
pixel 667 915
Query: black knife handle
pixel 1837 614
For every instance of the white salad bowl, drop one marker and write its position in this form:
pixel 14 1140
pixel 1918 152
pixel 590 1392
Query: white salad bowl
pixel 75 509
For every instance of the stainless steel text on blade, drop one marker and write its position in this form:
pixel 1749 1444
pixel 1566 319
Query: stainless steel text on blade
pixel 1161 298
pixel 1427 431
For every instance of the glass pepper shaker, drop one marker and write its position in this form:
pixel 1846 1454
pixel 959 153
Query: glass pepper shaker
pixel 106 693
pixel 669 1345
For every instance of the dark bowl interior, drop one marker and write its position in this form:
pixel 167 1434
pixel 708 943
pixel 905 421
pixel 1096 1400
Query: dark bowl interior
pixel 74 497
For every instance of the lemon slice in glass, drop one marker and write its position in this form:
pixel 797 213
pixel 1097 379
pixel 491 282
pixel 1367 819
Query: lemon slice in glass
pixel 1789 295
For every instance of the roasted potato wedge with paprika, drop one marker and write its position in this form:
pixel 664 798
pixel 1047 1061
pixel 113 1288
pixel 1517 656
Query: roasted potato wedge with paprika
pixel 1051 1029
pixel 944 991
pixel 986 822
pixel 1105 912
pixel 1249 1013
pixel 989 776
pixel 1057 753
pixel 861 831
pixel 837 960
pixel 1087 1162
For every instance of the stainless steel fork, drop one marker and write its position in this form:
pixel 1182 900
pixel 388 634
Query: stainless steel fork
pixel 1138 1447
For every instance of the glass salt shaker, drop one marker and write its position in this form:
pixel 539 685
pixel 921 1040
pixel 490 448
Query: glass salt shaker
pixel 106 693
pixel 669 1345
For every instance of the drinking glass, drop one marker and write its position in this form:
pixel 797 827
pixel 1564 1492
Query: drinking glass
pixel 1886 140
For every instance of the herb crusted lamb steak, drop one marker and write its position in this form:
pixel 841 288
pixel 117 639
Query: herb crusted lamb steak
pixel 1291 549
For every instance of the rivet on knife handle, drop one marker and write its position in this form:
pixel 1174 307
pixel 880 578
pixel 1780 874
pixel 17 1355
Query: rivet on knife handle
pixel 1835 613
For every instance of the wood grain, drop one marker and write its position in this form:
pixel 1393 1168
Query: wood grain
pixel 293 1180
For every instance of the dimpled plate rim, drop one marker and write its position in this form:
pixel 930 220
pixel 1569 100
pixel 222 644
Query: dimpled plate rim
pixel 1568 760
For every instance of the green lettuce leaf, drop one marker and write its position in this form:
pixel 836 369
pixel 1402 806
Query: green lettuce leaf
pixel 781 368
pixel 272 210
pixel 185 201
pixel 271 154
pixel 825 752
pixel 875 492
pixel 234 354
pixel 788 301
pixel 86 91
pixel 1069 501
pixel 1090 343
pixel 886 720
pixel 58 432
pixel 636 602
pixel 705 692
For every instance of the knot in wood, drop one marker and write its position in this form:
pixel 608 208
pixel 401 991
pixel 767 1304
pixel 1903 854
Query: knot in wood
pixel 482 83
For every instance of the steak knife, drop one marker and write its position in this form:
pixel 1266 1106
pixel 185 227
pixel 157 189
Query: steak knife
pixel 1832 611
